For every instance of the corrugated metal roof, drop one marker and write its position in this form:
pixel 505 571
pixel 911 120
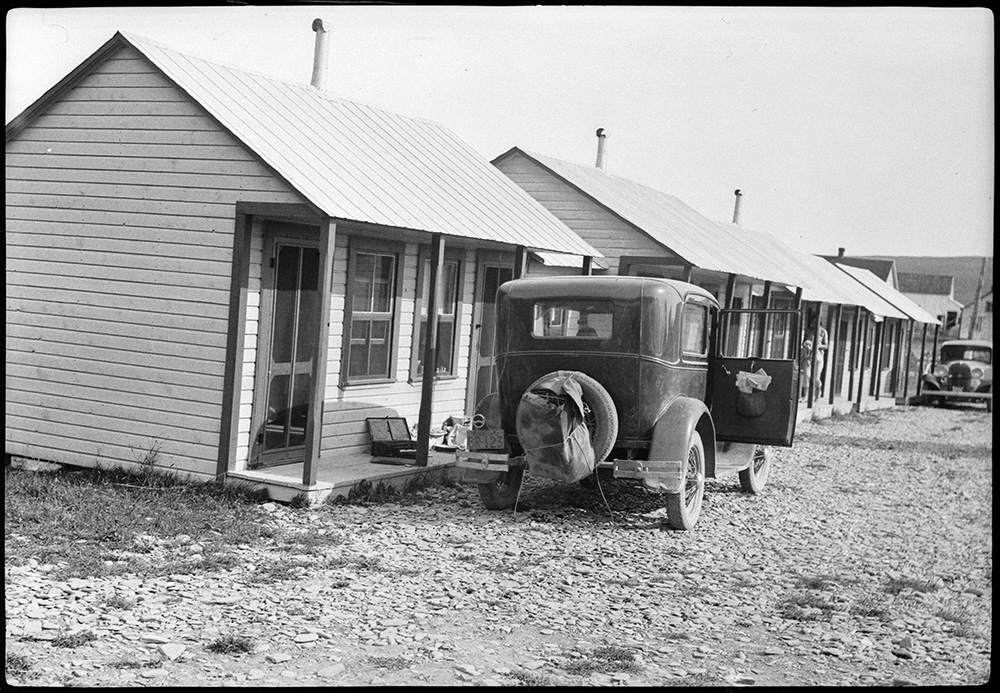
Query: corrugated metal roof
pixel 936 284
pixel 669 221
pixel 889 294
pixel 356 162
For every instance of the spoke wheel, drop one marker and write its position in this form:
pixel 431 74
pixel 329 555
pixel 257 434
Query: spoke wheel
pixel 754 478
pixel 684 508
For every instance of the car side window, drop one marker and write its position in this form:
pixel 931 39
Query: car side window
pixel 694 330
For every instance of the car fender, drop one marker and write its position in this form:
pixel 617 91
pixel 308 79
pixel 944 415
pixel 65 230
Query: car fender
pixel 930 382
pixel 668 448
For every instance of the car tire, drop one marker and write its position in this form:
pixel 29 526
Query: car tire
pixel 502 493
pixel 754 478
pixel 684 508
pixel 602 419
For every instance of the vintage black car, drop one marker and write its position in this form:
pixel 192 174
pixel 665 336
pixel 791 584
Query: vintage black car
pixel 674 388
pixel 963 373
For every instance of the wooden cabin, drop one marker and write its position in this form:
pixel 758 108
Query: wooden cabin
pixel 643 231
pixel 226 275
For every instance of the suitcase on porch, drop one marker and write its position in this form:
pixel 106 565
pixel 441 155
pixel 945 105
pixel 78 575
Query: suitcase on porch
pixel 391 437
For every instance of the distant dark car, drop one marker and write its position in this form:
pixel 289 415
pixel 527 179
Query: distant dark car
pixel 964 372
pixel 660 366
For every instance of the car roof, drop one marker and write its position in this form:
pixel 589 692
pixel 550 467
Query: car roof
pixel 611 286
pixel 968 342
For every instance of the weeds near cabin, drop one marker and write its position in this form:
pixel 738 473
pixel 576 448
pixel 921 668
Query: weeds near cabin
pixel 95 522
pixel 391 663
pixel 17 667
pixel 231 644
pixel 73 640
pixel 895 585
pixel 606 660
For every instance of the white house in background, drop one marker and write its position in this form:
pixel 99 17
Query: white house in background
pixel 935 293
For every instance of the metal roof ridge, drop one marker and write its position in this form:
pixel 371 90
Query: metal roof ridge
pixel 305 88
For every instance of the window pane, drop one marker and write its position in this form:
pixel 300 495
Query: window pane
pixel 364 281
pixel 285 283
pixel 574 319
pixel 694 329
pixel 277 413
pixel 383 284
pixel 308 305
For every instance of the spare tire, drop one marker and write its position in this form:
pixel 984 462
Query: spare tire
pixel 601 416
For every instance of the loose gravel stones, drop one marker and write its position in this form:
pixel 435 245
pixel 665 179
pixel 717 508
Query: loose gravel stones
pixel 866 561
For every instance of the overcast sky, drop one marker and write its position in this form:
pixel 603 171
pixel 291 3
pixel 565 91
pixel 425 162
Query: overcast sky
pixel 867 128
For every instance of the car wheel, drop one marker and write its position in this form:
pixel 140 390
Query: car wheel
pixel 502 493
pixel 754 478
pixel 684 508
pixel 602 417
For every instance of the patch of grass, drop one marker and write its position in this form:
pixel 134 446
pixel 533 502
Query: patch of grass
pixel 86 521
pixel 807 607
pixel 135 663
pixel 870 607
pixel 531 679
pixel 17 666
pixel 965 630
pixel 607 659
pixel 231 644
pixel 393 663
pixel 311 543
pixel 277 571
pixel 895 585
pixel 118 602
pixel 73 640
pixel 368 563
pixel 953 616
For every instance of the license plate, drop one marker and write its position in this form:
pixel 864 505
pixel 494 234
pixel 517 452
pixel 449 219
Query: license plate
pixel 481 439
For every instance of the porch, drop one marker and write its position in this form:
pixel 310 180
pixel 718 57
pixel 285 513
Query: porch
pixel 337 476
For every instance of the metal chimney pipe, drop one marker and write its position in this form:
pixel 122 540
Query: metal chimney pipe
pixel 840 253
pixel 320 55
pixel 601 154
pixel 736 208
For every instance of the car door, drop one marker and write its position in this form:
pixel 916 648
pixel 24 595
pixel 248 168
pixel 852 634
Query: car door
pixel 754 376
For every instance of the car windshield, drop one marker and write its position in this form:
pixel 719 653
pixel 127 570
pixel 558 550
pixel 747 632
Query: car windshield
pixel 574 319
pixel 962 352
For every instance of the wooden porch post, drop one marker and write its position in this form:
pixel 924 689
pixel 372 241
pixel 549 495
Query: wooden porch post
pixel 897 360
pixel 934 349
pixel 588 265
pixel 909 354
pixel 861 358
pixel 520 262
pixel 324 292
pixel 235 338
pixel 430 351
pixel 324 296
pixel 923 349
pixel 730 290
pixel 852 362
pixel 876 380
pixel 687 273
pixel 833 329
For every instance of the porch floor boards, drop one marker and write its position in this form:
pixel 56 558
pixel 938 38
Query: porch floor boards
pixel 337 475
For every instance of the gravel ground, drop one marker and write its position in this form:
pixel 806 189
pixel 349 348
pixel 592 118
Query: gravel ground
pixel 866 561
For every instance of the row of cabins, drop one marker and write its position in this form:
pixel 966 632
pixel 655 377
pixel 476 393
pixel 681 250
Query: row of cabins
pixel 226 275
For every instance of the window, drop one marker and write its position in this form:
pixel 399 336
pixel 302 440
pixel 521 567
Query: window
pixel 371 319
pixel 694 330
pixel 448 323
pixel 573 319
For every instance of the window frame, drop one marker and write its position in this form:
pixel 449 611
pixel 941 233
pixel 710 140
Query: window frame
pixel 370 246
pixel 706 315
pixel 424 259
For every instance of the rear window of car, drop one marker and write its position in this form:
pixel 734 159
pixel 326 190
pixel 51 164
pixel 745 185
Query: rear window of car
pixel 958 352
pixel 571 319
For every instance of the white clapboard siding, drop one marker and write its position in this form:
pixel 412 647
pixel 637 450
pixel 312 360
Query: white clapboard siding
pixel 120 204
pixel 596 225
pixel 251 339
pixel 345 409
